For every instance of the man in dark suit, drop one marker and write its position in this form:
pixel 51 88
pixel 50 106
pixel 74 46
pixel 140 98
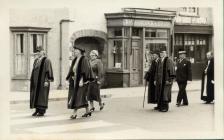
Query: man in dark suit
pixel 183 74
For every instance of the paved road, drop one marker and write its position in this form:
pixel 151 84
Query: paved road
pixel 120 117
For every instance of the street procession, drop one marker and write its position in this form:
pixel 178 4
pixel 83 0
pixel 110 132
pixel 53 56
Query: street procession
pixel 122 70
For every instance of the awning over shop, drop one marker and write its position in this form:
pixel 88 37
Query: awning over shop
pixel 193 29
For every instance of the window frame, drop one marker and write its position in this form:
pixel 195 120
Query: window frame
pixel 187 11
pixel 15 75
pixel 27 31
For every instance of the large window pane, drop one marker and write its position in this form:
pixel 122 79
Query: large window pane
pixel 20 64
pixel 161 33
pixel 118 53
pixel 115 53
pixel 150 33
pixel 135 31
pixel 115 32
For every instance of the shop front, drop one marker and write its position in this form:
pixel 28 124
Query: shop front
pixel 196 40
pixel 132 35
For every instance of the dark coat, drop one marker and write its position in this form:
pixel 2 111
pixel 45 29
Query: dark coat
pixel 209 86
pixel 94 87
pixel 42 72
pixel 77 96
pixel 183 72
pixel 164 79
pixel 150 78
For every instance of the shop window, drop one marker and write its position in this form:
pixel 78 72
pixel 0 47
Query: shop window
pixel 156 33
pixel 161 33
pixel 135 31
pixel 126 32
pixel 178 40
pixel 24 44
pixel 115 32
pixel 189 40
pixel 116 51
pixel 200 53
pixel 118 32
pixel 150 33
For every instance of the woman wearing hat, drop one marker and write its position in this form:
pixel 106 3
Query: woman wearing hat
pixel 79 77
pixel 94 87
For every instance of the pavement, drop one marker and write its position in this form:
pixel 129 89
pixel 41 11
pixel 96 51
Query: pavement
pixel 59 95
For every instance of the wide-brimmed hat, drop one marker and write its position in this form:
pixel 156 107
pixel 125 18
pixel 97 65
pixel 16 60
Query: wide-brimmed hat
pixel 79 48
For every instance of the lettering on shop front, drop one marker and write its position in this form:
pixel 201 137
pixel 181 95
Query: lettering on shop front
pixel 146 23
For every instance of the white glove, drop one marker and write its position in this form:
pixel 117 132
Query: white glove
pixel 81 82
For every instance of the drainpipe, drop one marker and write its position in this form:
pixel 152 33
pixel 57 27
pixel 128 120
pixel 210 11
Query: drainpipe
pixel 60 51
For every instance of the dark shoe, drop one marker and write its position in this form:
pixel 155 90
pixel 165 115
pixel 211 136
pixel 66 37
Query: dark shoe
pixel 102 106
pixel 185 104
pixel 40 114
pixel 163 110
pixel 208 102
pixel 35 113
pixel 178 104
pixel 73 116
pixel 87 114
pixel 92 109
pixel 156 108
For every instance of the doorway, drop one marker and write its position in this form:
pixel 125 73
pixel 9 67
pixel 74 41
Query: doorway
pixel 136 63
pixel 90 43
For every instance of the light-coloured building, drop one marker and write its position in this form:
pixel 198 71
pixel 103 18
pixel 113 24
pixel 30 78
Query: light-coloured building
pixel 123 36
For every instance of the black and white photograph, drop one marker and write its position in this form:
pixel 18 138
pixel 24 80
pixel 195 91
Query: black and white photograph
pixel 112 69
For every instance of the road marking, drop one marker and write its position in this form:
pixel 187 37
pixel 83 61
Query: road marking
pixel 19 114
pixel 70 127
pixel 39 119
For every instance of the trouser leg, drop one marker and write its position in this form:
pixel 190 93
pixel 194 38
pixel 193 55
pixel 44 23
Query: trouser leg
pixel 182 92
pixel 75 112
pixel 87 109
pixel 185 100
pixel 91 104
pixel 179 98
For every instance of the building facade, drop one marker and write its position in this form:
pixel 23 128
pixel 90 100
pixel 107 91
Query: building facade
pixel 124 38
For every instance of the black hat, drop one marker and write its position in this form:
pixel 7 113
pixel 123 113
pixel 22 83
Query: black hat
pixel 182 52
pixel 162 49
pixel 155 52
pixel 39 48
pixel 79 48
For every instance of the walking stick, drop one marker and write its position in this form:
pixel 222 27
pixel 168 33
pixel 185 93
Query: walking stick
pixel 144 94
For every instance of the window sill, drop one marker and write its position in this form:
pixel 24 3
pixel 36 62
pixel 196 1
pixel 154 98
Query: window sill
pixel 156 37
pixel 20 78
